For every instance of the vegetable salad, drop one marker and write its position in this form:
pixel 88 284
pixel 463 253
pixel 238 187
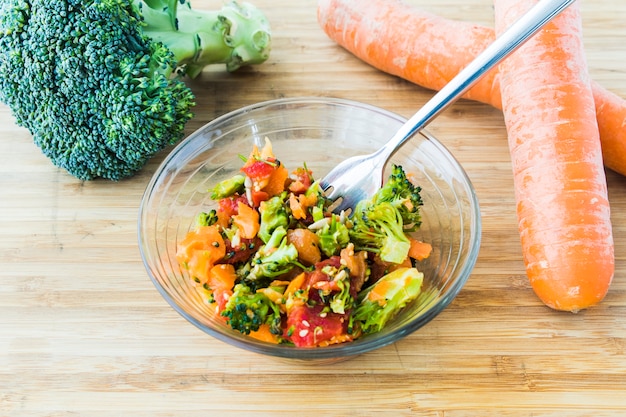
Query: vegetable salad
pixel 281 266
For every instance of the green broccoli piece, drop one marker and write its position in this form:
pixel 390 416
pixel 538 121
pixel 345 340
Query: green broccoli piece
pixel 342 301
pixel 333 235
pixel 274 215
pixel 208 218
pixel 98 94
pixel 228 187
pixel 275 258
pixel 403 195
pixel 379 229
pixel 246 310
pixel 381 223
pixel 380 302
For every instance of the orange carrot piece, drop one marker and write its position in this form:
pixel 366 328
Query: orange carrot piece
pixel 419 250
pixel 560 186
pixel 223 277
pixel 264 334
pixel 430 50
pixel 276 182
pixel 200 250
pixel 247 221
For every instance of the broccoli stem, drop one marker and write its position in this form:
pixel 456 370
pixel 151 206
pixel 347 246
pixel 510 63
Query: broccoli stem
pixel 236 35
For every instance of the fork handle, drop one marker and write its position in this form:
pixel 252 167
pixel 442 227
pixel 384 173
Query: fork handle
pixel 518 33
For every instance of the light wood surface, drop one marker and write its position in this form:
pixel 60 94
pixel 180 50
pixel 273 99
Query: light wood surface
pixel 83 332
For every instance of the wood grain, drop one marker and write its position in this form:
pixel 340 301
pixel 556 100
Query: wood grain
pixel 83 332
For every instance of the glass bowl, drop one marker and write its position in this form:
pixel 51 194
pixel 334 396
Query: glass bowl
pixel 320 132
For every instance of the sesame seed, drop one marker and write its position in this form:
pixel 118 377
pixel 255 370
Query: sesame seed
pixel 306 323
pixel 303 332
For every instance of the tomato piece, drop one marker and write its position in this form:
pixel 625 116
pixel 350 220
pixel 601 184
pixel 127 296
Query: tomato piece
pixel 303 178
pixel 241 252
pixel 230 205
pixel 256 169
pixel 309 326
pixel 258 197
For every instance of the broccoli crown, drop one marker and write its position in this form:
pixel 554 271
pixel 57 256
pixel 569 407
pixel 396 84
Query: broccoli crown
pixel 236 35
pixel 247 310
pixel 381 302
pixel 402 194
pixel 381 223
pixel 94 92
pixel 379 229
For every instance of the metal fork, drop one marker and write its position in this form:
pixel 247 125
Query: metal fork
pixel 361 176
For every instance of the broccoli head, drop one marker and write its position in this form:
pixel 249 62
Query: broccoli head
pixel 381 223
pixel 379 229
pixel 380 302
pixel 97 93
pixel 246 310
pixel 403 195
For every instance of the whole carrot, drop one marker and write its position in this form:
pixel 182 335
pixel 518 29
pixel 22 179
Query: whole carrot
pixel 560 187
pixel 430 50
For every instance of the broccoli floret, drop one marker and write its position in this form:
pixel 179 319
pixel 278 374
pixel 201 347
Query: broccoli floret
pixel 378 228
pixel 97 93
pixel 275 258
pixel 246 310
pixel 208 218
pixel 228 187
pixel 342 301
pixel 403 195
pixel 380 302
pixel 274 215
pixel 381 223
pixel 333 235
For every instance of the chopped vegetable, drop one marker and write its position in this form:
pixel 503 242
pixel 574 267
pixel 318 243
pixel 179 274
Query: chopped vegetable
pixel 200 250
pixel 98 83
pixel 247 221
pixel 382 301
pixel 291 271
pixel 430 50
pixel 560 186
pixel 246 310
pixel 381 223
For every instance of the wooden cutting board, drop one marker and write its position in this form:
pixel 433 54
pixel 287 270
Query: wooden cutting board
pixel 83 332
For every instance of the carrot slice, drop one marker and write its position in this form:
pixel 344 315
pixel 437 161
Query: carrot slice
pixel 200 250
pixel 419 250
pixel 430 50
pixel 264 334
pixel 276 182
pixel 560 186
pixel 247 221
